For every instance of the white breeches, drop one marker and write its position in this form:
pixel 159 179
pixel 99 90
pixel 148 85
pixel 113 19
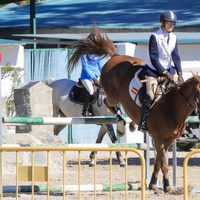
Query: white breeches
pixel 152 84
pixel 88 85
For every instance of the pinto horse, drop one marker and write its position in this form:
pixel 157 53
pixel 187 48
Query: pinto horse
pixel 65 106
pixel 167 118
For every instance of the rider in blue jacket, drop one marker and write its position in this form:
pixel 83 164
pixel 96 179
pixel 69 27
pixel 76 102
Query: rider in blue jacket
pixel 91 70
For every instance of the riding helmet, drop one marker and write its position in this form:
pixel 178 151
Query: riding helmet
pixel 169 16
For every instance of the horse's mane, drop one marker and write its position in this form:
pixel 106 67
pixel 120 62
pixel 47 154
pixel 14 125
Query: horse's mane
pixel 99 44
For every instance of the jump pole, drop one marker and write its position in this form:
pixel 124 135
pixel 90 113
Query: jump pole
pixel 59 188
pixel 74 120
pixel 62 120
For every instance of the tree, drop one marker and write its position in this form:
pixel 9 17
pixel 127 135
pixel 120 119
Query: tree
pixel 15 75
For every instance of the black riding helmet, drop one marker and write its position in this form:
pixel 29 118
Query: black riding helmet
pixel 168 16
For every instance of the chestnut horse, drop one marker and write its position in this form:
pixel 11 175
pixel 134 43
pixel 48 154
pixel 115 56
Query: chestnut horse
pixel 167 117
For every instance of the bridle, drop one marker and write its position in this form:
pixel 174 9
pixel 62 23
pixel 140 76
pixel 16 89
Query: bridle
pixel 194 104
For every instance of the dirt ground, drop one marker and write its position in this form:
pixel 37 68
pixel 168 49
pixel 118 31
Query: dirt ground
pixel 102 176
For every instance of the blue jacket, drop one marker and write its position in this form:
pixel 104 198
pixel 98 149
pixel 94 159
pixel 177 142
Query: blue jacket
pixel 90 68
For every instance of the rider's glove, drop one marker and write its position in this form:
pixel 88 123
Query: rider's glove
pixel 95 81
pixel 180 78
pixel 168 76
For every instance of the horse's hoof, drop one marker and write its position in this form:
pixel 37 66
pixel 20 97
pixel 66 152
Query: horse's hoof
pixel 132 127
pixel 122 162
pixel 169 190
pixel 155 189
pixel 120 128
pixel 179 191
pixel 91 164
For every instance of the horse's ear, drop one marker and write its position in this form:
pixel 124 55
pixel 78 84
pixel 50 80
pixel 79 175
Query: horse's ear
pixel 194 75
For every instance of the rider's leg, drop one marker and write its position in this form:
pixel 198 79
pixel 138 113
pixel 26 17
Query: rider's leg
pixel 151 86
pixel 146 104
pixel 89 87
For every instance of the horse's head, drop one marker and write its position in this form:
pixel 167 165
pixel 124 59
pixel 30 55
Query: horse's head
pixel 195 95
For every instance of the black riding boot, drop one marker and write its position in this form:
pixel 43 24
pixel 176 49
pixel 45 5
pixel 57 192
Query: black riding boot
pixel 146 104
pixel 86 107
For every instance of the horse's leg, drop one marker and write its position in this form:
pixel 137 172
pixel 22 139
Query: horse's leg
pixel 154 177
pixel 157 166
pixel 121 122
pixel 99 139
pixel 165 170
pixel 161 163
pixel 113 109
pixel 58 128
pixel 113 139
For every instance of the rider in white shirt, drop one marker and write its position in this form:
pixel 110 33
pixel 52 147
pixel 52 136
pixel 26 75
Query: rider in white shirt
pixel 164 60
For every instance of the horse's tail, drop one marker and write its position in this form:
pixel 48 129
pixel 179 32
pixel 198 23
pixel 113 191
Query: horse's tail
pixel 96 43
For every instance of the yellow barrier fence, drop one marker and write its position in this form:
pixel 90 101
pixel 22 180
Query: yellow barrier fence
pixel 35 173
pixel 185 170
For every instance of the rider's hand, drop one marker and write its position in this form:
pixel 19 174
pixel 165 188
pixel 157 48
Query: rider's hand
pixel 95 81
pixel 168 76
pixel 180 78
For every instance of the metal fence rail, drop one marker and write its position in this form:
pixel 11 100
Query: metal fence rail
pixel 35 173
pixel 185 170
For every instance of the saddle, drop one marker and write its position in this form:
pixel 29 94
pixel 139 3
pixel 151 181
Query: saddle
pixel 137 88
pixel 78 92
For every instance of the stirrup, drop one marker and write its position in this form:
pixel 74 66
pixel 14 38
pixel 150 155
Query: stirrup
pixel 86 113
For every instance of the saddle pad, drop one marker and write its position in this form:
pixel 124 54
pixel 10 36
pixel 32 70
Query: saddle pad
pixel 134 88
pixel 77 95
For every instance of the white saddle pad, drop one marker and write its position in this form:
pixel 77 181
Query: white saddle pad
pixel 134 87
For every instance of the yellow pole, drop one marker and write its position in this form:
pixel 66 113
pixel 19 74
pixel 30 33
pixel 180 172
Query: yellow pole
pixel 185 170
pixel 110 174
pixel 64 161
pixel 1 175
pixel 33 174
pixel 79 176
pixel 16 175
pixel 95 172
pixel 48 180
pixel 126 174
